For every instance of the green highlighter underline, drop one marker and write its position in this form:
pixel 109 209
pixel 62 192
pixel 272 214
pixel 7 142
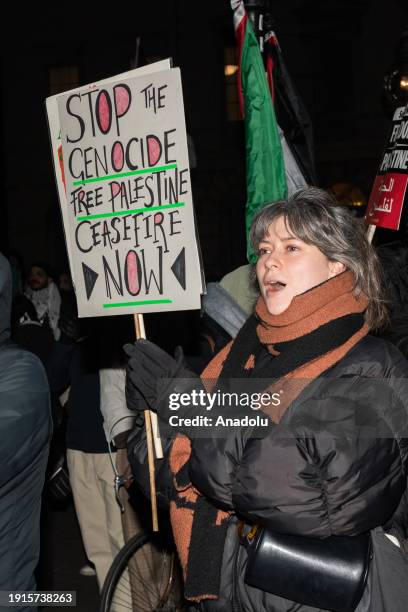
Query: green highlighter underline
pixel 131 211
pixel 98 179
pixel 143 303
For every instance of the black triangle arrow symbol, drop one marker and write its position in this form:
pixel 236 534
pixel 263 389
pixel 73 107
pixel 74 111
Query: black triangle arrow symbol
pixel 90 279
pixel 179 268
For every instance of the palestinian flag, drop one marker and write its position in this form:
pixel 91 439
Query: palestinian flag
pixel 265 168
pixel 291 114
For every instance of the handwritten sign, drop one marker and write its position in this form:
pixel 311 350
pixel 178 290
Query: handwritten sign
pixel 390 186
pixel 128 205
pixel 55 138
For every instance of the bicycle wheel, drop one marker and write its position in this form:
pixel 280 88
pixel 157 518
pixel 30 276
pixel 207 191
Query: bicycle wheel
pixel 144 576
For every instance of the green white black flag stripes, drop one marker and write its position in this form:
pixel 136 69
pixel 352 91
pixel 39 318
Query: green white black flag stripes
pixel 292 117
pixel 265 168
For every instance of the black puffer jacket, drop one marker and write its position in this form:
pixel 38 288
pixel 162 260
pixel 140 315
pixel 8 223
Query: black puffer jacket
pixel 394 260
pixel 335 465
pixel 25 430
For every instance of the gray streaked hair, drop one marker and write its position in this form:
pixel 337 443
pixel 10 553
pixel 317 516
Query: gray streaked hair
pixel 313 216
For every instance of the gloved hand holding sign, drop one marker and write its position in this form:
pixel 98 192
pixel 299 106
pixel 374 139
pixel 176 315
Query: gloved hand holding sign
pixel 152 374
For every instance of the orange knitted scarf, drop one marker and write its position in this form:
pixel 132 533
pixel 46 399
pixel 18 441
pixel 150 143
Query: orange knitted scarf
pixel 319 306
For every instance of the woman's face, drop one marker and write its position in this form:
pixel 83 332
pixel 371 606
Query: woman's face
pixel 287 267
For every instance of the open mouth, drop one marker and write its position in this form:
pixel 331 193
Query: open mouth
pixel 275 285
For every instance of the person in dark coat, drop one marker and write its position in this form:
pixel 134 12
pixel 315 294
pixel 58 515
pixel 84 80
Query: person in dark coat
pixel 324 452
pixel 393 257
pixel 25 431
pixel 28 332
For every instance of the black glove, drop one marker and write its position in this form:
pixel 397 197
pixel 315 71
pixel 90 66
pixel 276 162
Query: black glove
pixel 70 328
pixel 134 399
pixel 151 374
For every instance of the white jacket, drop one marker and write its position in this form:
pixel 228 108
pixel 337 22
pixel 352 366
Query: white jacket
pixel 116 415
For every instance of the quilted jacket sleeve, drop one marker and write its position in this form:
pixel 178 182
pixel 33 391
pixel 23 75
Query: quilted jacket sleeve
pixel 25 410
pixel 137 455
pixel 334 465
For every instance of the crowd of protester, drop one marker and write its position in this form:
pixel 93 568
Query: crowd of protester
pixel 83 417
pixel 84 364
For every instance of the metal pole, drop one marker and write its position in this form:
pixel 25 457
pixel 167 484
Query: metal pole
pixel 255 10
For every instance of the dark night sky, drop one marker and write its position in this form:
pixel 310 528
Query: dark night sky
pixel 337 51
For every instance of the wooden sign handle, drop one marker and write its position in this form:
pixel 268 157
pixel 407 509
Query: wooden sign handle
pixel 370 232
pixel 158 449
pixel 140 333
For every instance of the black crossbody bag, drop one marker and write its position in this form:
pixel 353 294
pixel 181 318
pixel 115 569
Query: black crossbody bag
pixel 329 574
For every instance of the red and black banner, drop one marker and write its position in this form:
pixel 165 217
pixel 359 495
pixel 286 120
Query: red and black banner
pixel 390 186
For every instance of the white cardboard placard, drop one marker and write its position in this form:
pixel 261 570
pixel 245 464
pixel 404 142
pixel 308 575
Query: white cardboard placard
pixel 127 209
pixel 55 136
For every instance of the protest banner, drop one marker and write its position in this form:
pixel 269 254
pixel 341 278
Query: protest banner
pixel 121 164
pixel 389 191
pixel 55 136
pixel 128 218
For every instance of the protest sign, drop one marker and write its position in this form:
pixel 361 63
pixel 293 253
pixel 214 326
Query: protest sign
pixel 390 186
pixel 55 136
pixel 128 205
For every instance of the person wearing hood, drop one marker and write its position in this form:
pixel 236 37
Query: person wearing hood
pixel 25 431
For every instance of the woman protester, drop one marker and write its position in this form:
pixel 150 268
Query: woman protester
pixel 291 516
